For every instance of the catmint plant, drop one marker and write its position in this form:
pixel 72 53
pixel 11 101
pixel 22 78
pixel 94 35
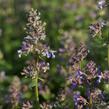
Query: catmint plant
pixel 34 45
pixel 95 29
pixel 90 78
pixel 13 98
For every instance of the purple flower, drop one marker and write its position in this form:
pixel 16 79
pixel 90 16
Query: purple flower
pixel 27 105
pixel 80 54
pixel 106 75
pixel 75 98
pixel 99 75
pixel 81 77
pixel 25 48
pixel 101 4
pixel 74 84
pixel 14 92
pixel 88 92
pixel 91 67
pixel 99 70
pixel 34 68
pixel 43 66
pixel 79 101
pixel 78 74
pixel 49 54
pixel 96 28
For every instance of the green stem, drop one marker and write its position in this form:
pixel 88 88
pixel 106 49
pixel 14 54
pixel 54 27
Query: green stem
pixel 108 55
pixel 90 102
pixel 37 93
pixel 80 65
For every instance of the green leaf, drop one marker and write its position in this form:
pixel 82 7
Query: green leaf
pixel 33 83
pixel 41 79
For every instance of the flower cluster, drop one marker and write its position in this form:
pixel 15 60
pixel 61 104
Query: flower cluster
pixel 46 106
pixel 67 43
pixel 14 94
pixel 96 28
pixel 101 4
pixel 106 75
pixel 35 68
pixel 85 77
pixel 91 67
pixel 80 54
pixel 35 30
pixel 27 105
pixel 79 101
pixel 94 97
pixel 90 78
pixel 33 43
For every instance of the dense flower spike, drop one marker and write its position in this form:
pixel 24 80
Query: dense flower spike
pixel 84 77
pixel 97 95
pixel 106 75
pixel 91 67
pixel 35 27
pixel 80 55
pixel 90 78
pixel 35 30
pixel 96 28
pixel 67 42
pixel 34 43
pixel 14 95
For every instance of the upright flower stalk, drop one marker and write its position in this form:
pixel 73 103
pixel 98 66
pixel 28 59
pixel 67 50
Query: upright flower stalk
pixel 108 55
pixel 97 27
pixel 34 44
pixel 101 5
pixel 37 94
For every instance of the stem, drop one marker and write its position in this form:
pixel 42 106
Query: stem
pixel 37 93
pixel 108 55
pixel 80 65
pixel 36 87
pixel 90 102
